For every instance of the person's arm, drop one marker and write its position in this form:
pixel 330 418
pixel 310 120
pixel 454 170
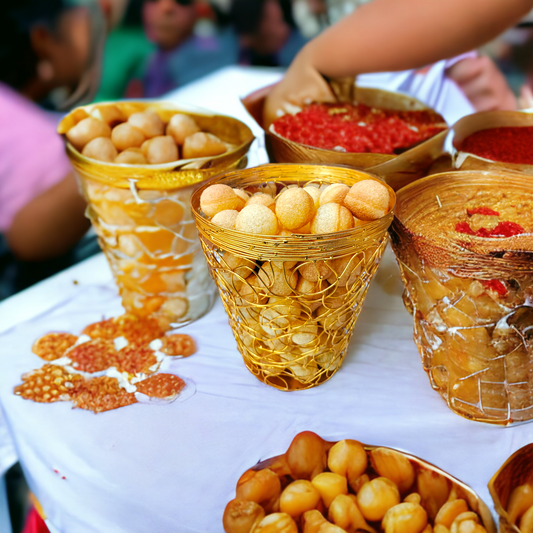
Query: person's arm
pixel 389 35
pixel 50 224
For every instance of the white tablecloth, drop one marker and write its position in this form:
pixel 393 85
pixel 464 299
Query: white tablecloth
pixel 173 468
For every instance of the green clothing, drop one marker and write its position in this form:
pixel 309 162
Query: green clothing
pixel 125 57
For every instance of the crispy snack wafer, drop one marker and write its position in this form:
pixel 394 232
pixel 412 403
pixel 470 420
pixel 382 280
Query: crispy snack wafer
pixel 102 394
pixel 161 386
pixel 48 384
pixel 135 359
pixel 53 345
pixel 93 356
pixel 178 344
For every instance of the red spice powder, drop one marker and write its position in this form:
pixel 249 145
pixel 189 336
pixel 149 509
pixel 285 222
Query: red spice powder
pixel 358 128
pixel 495 285
pixel 506 144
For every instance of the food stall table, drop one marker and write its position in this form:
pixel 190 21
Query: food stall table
pixel 172 468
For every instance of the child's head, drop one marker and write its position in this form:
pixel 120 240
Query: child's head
pixel 46 44
pixel 262 25
pixel 169 22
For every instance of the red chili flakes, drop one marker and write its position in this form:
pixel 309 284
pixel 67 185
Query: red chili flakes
pixel 178 344
pixel 495 285
pixel 102 394
pixel 51 383
pixel 135 359
pixel 482 211
pixel 53 345
pixel 161 386
pixel 93 356
pixel 358 128
pixel 503 229
pixel 138 330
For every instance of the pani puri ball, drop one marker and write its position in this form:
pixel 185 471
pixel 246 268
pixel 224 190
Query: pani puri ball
pixel 160 150
pixel 315 193
pixel 131 156
pixel 314 271
pixel 218 198
pixel 262 199
pixel 127 136
pixel 278 282
pixel 100 148
pixel 294 208
pixel 182 126
pixel 110 114
pixel 202 145
pixel 225 219
pixel 86 130
pixel 330 218
pixel 242 194
pixel 368 200
pixel 345 269
pixel 335 192
pixel 257 219
pixel 149 123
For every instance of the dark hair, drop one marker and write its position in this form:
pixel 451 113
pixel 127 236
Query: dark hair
pixel 245 15
pixel 18 61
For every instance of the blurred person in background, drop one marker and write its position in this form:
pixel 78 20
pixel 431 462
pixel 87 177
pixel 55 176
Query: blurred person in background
pixel 266 31
pixel 182 55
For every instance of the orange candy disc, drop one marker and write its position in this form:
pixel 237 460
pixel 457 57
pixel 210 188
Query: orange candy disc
pixel 135 359
pixel 178 344
pixel 53 345
pixel 102 394
pixel 93 356
pixel 51 383
pixel 161 386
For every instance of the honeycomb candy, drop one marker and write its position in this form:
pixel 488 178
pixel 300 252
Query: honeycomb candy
pixel 166 386
pixel 93 356
pixel 178 344
pixel 102 394
pixel 51 383
pixel 53 345
pixel 135 359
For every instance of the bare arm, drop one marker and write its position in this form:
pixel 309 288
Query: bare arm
pixel 389 35
pixel 50 224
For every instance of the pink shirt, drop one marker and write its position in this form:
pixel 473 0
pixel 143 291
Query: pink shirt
pixel 32 154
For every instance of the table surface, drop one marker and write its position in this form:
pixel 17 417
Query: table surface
pixel 172 468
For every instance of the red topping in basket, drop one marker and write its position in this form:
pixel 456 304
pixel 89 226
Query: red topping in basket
pixel 161 386
pixel 135 359
pixel 496 286
pixel 102 394
pixel 503 229
pixel 358 128
pixel 482 211
pixel 178 344
pixel 53 345
pixel 464 227
pixel 93 356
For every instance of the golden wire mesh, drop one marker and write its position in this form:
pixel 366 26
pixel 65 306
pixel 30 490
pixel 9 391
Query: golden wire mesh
pixel 469 295
pixel 516 471
pixel 292 301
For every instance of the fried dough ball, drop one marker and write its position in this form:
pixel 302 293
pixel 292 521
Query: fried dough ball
pixel 330 218
pixel 295 208
pixel 278 282
pixel 368 200
pixel 182 126
pixel 405 518
pixel 241 516
pixel 315 193
pixel 262 199
pixel 336 192
pixel 218 198
pixel 131 156
pixel 86 130
pixel 149 123
pixel 376 497
pixel 298 497
pixel 225 219
pixel 202 144
pixel 110 114
pixel 127 136
pixel 257 219
pixel 277 523
pixel 313 271
pixel 100 148
pixel 242 194
pixel 160 150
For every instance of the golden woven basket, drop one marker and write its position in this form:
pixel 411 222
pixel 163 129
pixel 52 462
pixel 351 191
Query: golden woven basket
pixel 143 219
pixel 395 170
pixel 458 160
pixel 516 471
pixel 279 465
pixel 473 339
pixel 292 335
